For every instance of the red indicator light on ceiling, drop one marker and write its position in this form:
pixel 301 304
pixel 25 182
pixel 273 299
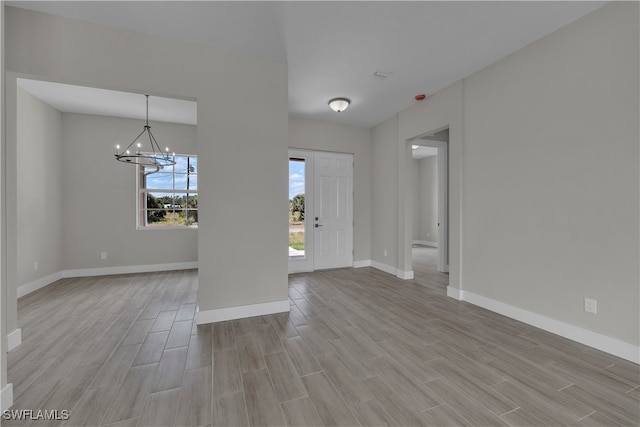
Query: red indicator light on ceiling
pixel 420 97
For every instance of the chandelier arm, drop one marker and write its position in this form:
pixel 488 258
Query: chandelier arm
pixel 133 142
pixel 155 145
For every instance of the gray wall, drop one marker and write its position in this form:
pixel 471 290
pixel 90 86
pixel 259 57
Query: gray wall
pixel 39 195
pixel 425 199
pixel 314 135
pixel 3 238
pixel 551 167
pixel 233 135
pixel 99 196
pixel 544 190
pixel 384 192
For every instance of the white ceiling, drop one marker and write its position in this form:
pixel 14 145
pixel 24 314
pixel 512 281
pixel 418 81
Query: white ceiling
pixel 333 48
pixel 86 100
pixel 422 152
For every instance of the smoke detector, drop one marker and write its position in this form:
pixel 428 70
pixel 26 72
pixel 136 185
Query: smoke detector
pixel 381 74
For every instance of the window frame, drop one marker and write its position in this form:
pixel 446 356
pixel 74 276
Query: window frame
pixel 142 191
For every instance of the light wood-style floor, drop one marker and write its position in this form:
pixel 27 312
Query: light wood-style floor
pixel 359 347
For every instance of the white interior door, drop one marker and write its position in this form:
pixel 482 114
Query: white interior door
pixel 333 210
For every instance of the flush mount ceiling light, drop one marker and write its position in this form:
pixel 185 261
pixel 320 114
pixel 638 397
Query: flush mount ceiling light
pixel 150 155
pixel 339 104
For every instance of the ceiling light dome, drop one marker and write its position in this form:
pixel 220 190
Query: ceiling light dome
pixel 339 104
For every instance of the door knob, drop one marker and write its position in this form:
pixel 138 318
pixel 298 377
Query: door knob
pixel 318 225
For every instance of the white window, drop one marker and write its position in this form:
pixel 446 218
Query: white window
pixel 168 197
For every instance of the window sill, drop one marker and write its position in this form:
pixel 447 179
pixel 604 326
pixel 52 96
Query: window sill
pixel 183 227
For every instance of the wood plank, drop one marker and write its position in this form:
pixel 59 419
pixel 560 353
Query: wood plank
pixel 222 336
pixel 301 357
pixel 200 351
pixel 444 415
pixel 352 390
pixel 284 377
pixel 262 403
pixel 180 334
pixel 230 410
pixel 186 311
pixel 131 396
pixel 160 409
pixel 330 407
pixel 194 408
pixel 545 403
pixel 114 371
pixel 249 353
pixel 467 407
pixel 171 369
pixel 164 321
pixel 138 332
pixel 91 407
pixel 401 411
pixel 227 375
pixel 371 413
pixel 152 348
pixel 301 412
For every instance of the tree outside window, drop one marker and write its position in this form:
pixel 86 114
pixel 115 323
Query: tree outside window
pixel 168 197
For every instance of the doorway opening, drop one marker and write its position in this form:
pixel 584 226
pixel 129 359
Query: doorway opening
pixel 429 187
pixel 320 210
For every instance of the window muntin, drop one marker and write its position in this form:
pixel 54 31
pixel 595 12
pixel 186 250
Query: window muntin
pixel 168 198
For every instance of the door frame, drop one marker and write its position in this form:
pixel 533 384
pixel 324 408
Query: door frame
pixel 443 199
pixel 307 263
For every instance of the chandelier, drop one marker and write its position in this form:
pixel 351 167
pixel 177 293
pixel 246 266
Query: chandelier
pixel 152 156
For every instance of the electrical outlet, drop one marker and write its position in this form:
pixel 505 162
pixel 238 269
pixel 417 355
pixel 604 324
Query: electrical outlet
pixel 590 305
pixel 35 266
pixel 103 255
pixel 385 252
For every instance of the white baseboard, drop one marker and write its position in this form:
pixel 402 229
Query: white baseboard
pixel 454 293
pixel 362 263
pixel 425 243
pixel 242 311
pixel 598 341
pixel 404 274
pixel 14 339
pixel 128 269
pixel 6 397
pixel 39 283
pixel 103 271
pixel 383 267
